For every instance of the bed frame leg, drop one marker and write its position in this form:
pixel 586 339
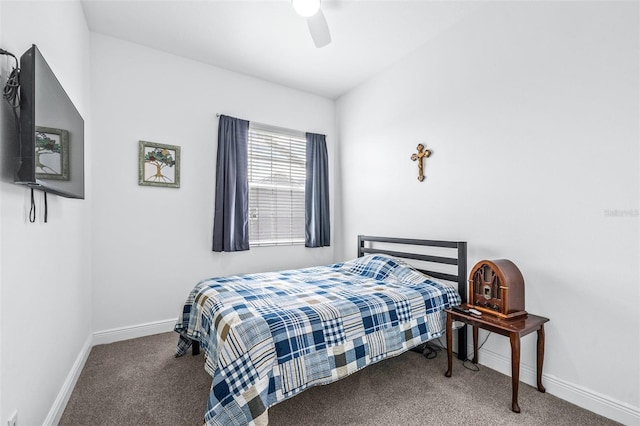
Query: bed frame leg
pixel 463 288
pixel 462 343
pixel 195 347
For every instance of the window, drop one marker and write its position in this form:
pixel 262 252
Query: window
pixel 276 185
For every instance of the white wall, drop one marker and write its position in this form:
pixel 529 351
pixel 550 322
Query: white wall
pixel 152 245
pixel 3 76
pixel 531 110
pixel 45 268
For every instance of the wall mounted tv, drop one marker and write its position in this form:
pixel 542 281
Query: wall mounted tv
pixel 51 155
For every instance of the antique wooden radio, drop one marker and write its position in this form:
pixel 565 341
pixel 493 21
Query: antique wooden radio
pixel 496 287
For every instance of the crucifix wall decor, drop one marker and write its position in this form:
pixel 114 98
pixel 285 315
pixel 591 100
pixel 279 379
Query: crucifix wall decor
pixel 422 153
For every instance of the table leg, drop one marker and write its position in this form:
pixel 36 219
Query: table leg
pixel 449 345
pixel 515 370
pixel 475 345
pixel 540 357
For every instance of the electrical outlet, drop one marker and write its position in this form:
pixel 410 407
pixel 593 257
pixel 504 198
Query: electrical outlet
pixel 13 420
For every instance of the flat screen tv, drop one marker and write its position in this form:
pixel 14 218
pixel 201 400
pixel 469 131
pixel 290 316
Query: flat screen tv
pixel 51 154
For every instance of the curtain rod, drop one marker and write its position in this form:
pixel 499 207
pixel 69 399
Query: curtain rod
pixel 270 126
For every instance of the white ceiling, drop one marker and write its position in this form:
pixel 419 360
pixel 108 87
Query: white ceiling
pixel 268 40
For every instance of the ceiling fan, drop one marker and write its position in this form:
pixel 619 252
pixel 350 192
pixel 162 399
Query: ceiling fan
pixel 316 21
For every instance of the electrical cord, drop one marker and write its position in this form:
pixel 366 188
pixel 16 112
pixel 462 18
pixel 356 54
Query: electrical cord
pixel 11 91
pixel 472 366
pixel 430 351
pixel 32 211
pixel 11 94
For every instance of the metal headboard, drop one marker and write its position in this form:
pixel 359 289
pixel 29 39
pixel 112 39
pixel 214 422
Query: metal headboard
pixel 458 258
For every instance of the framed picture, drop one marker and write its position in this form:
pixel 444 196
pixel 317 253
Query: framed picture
pixel 159 165
pixel 52 153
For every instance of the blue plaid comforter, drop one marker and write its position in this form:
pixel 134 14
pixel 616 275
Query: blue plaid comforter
pixel 267 337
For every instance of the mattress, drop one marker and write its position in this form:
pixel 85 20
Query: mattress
pixel 267 337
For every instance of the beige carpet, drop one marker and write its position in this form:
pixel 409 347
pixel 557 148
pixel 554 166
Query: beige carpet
pixel 139 382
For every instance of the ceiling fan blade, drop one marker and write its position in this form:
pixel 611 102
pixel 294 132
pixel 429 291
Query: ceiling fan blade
pixel 319 29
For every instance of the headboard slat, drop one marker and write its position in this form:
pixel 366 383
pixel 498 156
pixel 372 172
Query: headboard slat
pixel 414 256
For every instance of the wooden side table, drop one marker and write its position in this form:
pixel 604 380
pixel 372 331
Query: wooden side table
pixel 514 328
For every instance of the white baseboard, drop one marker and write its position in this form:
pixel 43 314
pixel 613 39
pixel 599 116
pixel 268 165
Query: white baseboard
pixel 585 398
pixel 60 403
pixel 133 331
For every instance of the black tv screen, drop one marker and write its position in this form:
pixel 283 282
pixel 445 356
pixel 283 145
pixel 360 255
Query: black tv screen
pixel 51 156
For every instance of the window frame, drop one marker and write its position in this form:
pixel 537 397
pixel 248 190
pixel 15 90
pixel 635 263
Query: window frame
pixel 263 166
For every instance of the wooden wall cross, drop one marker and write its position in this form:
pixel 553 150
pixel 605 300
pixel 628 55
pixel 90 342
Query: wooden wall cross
pixel 422 153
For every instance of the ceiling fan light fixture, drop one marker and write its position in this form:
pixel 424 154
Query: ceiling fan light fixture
pixel 306 8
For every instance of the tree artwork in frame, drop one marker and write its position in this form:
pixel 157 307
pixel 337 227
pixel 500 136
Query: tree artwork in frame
pixel 159 165
pixel 52 153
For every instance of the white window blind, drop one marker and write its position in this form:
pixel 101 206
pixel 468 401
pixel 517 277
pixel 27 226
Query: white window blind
pixel 276 185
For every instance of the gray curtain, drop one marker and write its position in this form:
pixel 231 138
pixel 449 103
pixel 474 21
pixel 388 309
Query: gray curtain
pixel 231 216
pixel 316 194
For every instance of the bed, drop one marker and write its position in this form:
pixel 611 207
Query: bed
pixel 267 337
